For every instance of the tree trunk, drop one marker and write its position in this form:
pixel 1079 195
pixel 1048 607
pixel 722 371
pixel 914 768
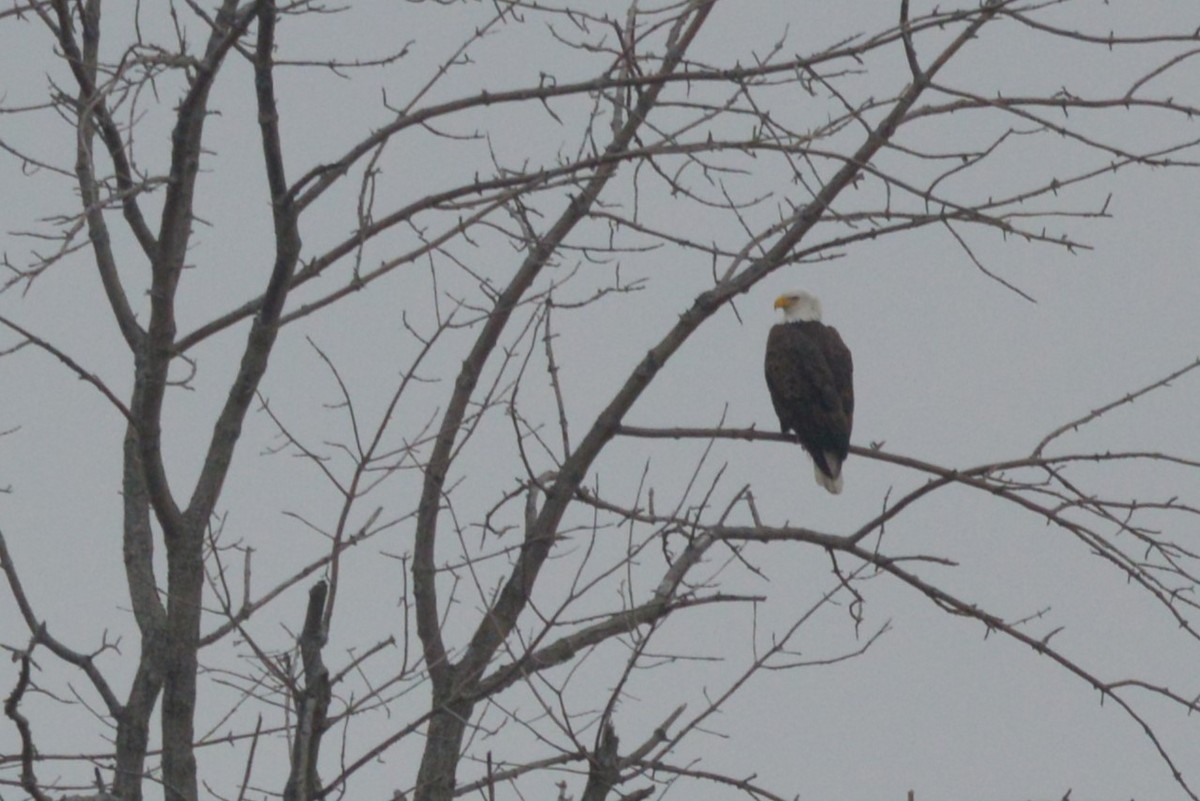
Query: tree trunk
pixel 443 745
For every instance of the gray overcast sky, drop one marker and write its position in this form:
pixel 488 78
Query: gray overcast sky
pixel 951 368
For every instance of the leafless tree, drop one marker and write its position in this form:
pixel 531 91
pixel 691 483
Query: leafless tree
pixel 490 564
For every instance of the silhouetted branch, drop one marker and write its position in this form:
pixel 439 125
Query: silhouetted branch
pixel 311 701
pixel 12 710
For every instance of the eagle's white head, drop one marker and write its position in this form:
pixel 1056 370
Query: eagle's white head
pixel 799 307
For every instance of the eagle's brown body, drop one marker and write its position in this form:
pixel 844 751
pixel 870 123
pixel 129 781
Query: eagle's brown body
pixel 810 373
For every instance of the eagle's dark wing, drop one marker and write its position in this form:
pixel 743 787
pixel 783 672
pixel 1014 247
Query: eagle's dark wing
pixel 806 389
pixel 841 364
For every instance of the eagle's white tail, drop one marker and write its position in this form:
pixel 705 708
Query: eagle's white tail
pixel 834 484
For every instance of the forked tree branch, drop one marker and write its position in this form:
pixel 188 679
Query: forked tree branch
pixel 92 104
pixel 41 634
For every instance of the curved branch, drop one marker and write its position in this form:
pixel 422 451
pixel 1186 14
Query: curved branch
pixel 12 711
pixel 42 636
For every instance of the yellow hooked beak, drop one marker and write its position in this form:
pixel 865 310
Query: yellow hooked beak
pixel 783 301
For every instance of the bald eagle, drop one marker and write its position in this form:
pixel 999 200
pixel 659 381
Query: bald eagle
pixel 810 376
